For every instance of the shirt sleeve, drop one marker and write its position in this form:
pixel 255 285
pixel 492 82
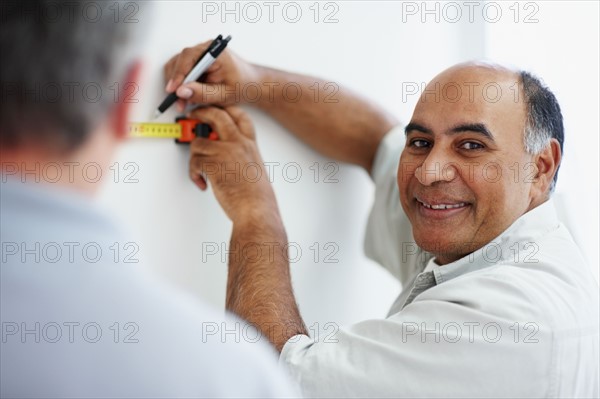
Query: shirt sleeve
pixel 388 238
pixel 434 347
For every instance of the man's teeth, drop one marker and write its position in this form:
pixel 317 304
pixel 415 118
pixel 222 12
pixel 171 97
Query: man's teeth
pixel 444 206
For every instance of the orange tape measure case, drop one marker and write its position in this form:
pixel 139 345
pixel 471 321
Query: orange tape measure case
pixel 183 131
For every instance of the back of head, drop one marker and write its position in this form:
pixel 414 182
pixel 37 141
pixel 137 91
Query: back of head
pixel 63 63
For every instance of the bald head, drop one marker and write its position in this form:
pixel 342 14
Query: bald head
pixel 495 83
pixel 481 67
pixel 474 82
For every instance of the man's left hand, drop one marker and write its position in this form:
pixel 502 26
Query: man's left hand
pixel 232 165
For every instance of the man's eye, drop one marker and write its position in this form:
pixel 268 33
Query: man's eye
pixel 471 145
pixel 418 143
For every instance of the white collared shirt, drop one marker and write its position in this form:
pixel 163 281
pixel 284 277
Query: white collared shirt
pixel 516 318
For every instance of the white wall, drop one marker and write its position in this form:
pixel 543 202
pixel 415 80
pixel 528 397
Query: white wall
pixel 375 49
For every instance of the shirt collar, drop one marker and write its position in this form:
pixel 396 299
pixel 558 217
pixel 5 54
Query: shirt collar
pixel 527 228
pixel 24 204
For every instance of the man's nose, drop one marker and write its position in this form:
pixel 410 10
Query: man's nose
pixel 437 166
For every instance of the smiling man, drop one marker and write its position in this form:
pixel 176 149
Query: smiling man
pixel 459 172
pixel 497 300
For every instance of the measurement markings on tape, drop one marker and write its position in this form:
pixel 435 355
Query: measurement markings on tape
pixel 155 130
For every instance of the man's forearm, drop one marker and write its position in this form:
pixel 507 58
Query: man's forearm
pixel 331 119
pixel 259 287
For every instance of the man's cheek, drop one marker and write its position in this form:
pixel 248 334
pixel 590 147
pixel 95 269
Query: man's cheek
pixel 406 171
pixel 492 173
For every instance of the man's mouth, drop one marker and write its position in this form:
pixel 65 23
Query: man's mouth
pixel 441 209
pixel 443 206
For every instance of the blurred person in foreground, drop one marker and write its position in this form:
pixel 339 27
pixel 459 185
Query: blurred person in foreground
pixel 497 299
pixel 79 320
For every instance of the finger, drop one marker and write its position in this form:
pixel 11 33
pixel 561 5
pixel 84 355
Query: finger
pixel 183 65
pixel 180 104
pixel 168 71
pixel 195 170
pixel 214 67
pixel 186 61
pixel 242 120
pixel 204 147
pixel 202 93
pixel 203 170
pixel 219 120
pixel 214 74
pixel 199 181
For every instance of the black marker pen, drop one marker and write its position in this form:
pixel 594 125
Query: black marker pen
pixel 206 60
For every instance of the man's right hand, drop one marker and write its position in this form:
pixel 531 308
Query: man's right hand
pixel 226 75
pixel 334 121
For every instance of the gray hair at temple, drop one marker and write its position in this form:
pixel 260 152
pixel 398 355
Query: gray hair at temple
pixel 63 65
pixel 544 118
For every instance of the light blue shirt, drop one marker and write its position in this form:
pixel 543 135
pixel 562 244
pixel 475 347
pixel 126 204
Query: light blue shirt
pixel 80 318
pixel 517 318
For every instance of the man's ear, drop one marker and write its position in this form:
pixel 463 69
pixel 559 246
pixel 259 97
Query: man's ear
pixel 127 91
pixel 547 163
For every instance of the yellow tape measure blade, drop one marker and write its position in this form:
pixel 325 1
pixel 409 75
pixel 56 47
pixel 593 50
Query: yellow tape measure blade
pixel 154 130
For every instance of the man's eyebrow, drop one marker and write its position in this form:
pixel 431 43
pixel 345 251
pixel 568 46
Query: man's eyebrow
pixel 416 126
pixel 473 127
pixel 463 127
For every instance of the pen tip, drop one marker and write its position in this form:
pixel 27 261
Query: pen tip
pixel 157 113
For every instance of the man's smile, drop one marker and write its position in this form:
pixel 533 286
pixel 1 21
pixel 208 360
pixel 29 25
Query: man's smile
pixel 440 208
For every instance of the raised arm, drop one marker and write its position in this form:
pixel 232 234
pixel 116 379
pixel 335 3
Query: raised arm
pixel 330 118
pixel 259 287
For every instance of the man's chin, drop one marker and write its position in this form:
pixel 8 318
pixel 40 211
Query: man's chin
pixel 447 247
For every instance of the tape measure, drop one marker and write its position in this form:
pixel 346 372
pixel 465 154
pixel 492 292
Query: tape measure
pixel 183 131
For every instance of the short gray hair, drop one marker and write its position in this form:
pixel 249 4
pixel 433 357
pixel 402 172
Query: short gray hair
pixel 63 64
pixel 544 118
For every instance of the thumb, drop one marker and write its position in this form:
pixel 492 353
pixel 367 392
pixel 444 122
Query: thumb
pixel 207 93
